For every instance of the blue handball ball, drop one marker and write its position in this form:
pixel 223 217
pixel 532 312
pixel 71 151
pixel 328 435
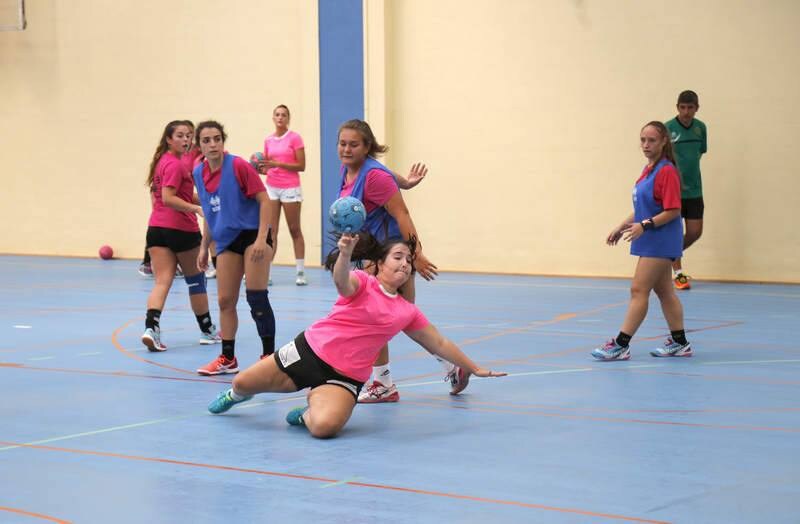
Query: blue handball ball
pixel 347 215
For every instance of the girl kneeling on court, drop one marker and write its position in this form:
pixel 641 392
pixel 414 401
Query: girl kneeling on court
pixel 655 232
pixel 236 209
pixel 334 355
pixel 173 235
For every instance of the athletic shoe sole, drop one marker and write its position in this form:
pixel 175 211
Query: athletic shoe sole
pixel 152 346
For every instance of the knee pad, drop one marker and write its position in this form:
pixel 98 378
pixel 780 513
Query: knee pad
pixel 196 284
pixel 261 311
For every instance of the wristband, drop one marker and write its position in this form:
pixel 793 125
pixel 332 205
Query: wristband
pixel 648 224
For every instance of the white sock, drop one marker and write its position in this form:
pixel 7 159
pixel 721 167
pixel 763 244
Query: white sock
pixel 676 272
pixel 383 375
pixel 300 264
pixel 447 366
pixel 235 396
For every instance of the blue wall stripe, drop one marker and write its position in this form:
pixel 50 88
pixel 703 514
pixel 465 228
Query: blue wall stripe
pixel 341 90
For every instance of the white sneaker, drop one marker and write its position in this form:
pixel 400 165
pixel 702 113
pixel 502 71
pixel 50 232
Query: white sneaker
pixel 152 339
pixel 211 272
pixel 301 279
pixel 377 392
pixel 212 337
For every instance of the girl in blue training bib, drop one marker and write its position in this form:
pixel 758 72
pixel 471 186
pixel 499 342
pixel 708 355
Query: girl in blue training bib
pixel 655 232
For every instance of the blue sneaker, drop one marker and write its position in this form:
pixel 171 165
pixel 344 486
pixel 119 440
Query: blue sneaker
pixel 673 349
pixel 611 351
pixel 295 416
pixel 224 402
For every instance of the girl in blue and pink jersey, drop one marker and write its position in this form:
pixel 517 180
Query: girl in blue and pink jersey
pixel 173 235
pixel 655 232
pixel 334 355
pixel 236 210
pixel 378 188
pixel 284 160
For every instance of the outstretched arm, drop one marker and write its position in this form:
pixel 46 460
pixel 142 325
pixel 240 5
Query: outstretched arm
pixel 436 344
pixel 346 283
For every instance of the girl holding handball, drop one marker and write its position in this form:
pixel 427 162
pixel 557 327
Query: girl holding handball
pixel 334 355
pixel 374 184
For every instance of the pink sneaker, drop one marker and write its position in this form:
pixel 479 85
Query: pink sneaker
pixel 458 380
pixel 377 392
pixel 220 366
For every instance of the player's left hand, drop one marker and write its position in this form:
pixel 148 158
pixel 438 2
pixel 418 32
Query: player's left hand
pixel 425 267
pixel 487 373
pixel 416 175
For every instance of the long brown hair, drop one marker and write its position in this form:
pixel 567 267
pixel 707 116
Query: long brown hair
pixel 667 152
pixel 363 129
pixel 162 148
pixel 369 249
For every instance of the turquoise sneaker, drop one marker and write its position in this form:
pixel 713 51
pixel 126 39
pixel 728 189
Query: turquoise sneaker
pixel 673 349
pixel 212 337
pixel 295 416
pixel 224 402
pixel 611 351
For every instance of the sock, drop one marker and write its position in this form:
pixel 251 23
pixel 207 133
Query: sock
pixel 204 321
pixel 447 366
pixel 679 336
pixel 383 375
pixel 300 264
pixel 214 261
pixel 676 272
pixel 228 348
pixel 153 319
pixel 267 345
pixel 624 339
pixel 235 396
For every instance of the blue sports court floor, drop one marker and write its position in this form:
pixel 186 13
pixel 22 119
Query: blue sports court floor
pixel 96 430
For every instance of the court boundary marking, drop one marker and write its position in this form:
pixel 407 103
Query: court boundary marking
pixel 328 482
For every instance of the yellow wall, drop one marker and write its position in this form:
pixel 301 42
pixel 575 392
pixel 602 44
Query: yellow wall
pixel 528 114
pixel 86 90
pixel 526 111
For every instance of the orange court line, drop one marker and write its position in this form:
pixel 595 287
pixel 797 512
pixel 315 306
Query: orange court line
pixel 611 419
pixel 112 373
pixel 30 514
pixel 329 481
pixel 453 401
pixel 127 353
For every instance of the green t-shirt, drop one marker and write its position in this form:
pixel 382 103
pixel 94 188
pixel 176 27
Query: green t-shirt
pixel 689 144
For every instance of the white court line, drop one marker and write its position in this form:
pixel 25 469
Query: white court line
pixel 621 287
pixel 250 405
pixel 23 326
pixel 42 358
pixel 750 362
pixel 90 353
pixel 146 423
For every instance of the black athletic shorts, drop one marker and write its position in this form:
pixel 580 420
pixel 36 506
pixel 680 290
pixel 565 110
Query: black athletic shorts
pixel 245 238
pixel 176 240
pixel 307 370
pixel 692 208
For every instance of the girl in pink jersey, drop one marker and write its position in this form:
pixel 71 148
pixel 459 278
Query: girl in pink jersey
pixel 387 216
pixel 285 159
pixel 334 356
pixel 173 235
